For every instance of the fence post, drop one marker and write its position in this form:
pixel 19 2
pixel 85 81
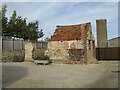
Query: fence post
pixel 22 44
pixel 2 44
pixel 13 41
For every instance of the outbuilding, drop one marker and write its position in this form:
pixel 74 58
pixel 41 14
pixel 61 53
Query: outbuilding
pixel 72 44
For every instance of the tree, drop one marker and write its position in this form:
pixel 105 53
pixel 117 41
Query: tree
pixel 33 31
pixel 47 39
pixel 18 27
pixel 40 34
pixel 12 24
pixel 21 27
pixel 4 21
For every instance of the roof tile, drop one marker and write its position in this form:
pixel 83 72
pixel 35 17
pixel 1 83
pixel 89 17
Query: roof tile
pixel 71 32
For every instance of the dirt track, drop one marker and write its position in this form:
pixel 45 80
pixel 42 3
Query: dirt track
pixel 29 75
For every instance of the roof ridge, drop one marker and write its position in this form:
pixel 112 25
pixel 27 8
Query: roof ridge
pixel 74 24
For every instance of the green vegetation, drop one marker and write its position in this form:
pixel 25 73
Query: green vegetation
pixel 17 26
pixel 42 58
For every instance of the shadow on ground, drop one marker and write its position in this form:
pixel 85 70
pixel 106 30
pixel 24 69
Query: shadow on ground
pixel 109 80
pixel 11 74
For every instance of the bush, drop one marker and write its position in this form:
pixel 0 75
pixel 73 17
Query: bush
pixel 42 58
pixel 18 59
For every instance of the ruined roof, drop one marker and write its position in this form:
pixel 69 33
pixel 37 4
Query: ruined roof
pixel 70 32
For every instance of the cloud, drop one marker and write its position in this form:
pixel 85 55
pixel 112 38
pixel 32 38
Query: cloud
pixel 59 0
pixel 51 14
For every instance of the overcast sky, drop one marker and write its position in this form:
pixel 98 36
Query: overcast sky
pixel 50 14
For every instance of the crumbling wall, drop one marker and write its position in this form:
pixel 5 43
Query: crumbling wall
pixel 28 51
pixel 60 50
pixel 76 54
pixel 13 55
pixel 72 43
pixel 91 57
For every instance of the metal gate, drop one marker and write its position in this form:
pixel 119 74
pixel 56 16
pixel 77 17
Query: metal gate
pixel 111 53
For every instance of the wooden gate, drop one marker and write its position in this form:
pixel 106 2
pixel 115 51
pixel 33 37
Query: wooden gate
pixel 111 53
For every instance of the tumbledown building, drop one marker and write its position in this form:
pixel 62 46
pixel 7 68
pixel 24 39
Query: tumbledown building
pixel 72 44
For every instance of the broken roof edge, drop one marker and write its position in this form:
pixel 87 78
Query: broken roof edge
pixel 101 19
pixel 67 40
pixel 88 23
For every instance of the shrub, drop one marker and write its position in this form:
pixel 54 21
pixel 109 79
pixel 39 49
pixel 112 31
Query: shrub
pixel 42 57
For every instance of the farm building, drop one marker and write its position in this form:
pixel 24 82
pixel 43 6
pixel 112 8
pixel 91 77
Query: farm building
pixel 114 42
pixel 72 44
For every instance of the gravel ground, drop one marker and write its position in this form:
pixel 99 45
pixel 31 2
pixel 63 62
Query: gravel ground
pixel 29 75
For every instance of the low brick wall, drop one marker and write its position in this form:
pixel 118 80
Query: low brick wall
pixel 13 55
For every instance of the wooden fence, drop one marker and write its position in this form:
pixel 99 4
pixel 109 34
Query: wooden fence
pixel 111 53
pixel 9 43
pixel 13 44
pixel 41 45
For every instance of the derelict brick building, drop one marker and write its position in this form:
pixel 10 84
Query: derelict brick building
pixel 73 44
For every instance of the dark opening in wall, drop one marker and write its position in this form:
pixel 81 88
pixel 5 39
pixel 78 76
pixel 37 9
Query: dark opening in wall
pixel 89 44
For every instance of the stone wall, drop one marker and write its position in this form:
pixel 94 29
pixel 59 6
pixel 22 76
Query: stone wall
pixel 28 51
pixel 90 54
pixel 13 55
pixel 58 54
pixel 82 51
pixel 101 27
pixel 59 50
pixel 55 45
pixel 91 57
pixel 76 54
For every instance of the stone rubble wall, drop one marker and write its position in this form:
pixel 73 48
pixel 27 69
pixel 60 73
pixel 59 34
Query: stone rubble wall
pixel 28 51
pixel 59 50
pixel 13 55
pixel 91 57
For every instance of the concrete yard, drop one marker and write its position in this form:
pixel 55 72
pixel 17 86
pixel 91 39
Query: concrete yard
pixel 29 75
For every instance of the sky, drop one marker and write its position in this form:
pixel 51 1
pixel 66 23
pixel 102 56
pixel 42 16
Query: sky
pixel 51 14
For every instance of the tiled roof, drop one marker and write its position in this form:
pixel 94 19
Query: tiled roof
pixel 71 32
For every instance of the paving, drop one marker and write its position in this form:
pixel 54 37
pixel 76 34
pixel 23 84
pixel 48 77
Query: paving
pixel 30 75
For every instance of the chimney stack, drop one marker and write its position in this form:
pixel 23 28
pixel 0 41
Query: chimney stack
pixel 101 27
